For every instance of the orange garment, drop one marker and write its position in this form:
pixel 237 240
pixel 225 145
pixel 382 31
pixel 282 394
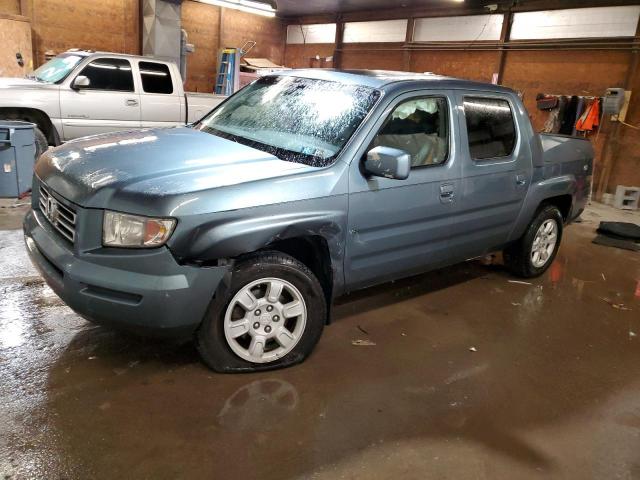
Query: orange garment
pixel 590 118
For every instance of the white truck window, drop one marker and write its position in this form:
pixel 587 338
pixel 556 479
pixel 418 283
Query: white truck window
pixel 109 74
pixel 156 78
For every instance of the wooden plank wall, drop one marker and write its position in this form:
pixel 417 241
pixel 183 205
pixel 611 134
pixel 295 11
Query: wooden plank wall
pixel 10 7
pixel 57 25
pixel 201 22
pixel 114 26
pixel 211 28
pixel 238 27
pixel 15 37
pixel 304 56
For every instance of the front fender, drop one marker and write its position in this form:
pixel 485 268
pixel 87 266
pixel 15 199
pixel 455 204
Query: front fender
pixel 43 101
pixel 45 98
pixel 228 235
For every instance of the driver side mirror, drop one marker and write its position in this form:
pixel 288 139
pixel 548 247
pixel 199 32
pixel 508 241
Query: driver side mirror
pixel 80 82
pixel 388 162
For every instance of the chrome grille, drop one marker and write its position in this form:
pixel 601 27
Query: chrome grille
pixel 61 217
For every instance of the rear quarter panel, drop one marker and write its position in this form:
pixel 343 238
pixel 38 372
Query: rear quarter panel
pixel 563 165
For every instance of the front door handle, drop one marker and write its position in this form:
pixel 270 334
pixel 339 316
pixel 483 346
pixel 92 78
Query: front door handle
pixel 130 102
pixel 446 193
pixel 521 179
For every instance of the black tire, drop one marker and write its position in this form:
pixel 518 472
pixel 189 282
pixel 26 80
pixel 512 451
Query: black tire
pixel 211 342
pixel 517 257
pixel 41 142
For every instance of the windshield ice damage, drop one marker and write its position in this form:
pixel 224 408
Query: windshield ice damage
pixel 296 119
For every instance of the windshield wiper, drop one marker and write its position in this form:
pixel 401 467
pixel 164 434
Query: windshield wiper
pixel 31 76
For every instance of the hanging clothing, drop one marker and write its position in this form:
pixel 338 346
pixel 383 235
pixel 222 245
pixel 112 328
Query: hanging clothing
pixel 590 119
pixel 569 117
pixel 562 106
pixel 553 122
pixel 579 111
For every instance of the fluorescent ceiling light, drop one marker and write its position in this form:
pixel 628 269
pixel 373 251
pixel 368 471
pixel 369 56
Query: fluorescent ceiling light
pixel 248 6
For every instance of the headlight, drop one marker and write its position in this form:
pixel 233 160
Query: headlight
pixel 133 231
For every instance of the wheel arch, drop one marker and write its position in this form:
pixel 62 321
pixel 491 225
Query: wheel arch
pixel 561 202
pixel 558 191
pixel 312 251
pixel 314 237
pixel 33 115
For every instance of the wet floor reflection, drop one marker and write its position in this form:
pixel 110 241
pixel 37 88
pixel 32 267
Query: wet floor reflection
pixel 549 389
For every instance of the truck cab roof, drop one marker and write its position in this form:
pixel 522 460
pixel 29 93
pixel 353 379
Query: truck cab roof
pixel 381 79
pixel 94 53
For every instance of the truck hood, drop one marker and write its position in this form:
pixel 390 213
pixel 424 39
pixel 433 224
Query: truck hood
pixel 11 82
pixel 151 163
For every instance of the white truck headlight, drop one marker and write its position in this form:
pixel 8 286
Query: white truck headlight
pixel 133 231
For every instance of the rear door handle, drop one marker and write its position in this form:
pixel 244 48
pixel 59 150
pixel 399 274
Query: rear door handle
pixel 130 102
pixel 521 179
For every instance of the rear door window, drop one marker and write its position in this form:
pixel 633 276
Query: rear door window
pixel 112 74
pixel 156 78
pixel 490 127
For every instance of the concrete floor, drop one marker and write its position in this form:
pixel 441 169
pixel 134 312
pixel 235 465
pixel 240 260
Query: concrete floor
pixel 552 390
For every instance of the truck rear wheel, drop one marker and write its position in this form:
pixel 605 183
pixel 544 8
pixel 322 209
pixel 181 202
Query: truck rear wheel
pixel 535 251
pixel 271 316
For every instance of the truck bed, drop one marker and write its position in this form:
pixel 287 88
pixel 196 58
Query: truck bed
pixel 199 104
pixel 565 148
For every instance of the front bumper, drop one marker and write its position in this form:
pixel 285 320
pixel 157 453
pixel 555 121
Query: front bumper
pixel 142 290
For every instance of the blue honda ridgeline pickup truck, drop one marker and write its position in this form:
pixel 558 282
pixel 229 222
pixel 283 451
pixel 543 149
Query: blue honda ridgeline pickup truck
pixel 242 228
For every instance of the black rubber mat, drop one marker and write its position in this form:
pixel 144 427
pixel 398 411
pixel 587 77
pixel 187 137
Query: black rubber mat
pixel 622 230
pixel 617 243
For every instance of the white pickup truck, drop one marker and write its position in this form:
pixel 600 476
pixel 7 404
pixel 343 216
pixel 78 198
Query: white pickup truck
pixel 81 93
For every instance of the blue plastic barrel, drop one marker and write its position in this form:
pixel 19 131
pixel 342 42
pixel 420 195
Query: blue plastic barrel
pixel 17 157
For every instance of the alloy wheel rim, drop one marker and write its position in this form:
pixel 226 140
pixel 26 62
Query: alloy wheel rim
pixel 544 243
pixel 265 320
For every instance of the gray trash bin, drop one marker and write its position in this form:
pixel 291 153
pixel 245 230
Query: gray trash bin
pixel 17 157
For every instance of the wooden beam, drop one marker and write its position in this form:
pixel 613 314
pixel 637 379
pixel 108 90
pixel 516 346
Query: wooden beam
pixel 16 18
pixel 220 28
pixel 337 51
pixel 446 10
pixel 505 36
pixel 26 6
pixel 533 5
pixel 406 55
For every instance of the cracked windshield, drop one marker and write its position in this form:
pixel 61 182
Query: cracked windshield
pixel 296 119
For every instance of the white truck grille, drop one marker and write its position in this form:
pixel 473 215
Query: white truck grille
pixel 61 217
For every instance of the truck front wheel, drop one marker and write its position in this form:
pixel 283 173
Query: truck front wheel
pixel 270 316
pixel 41 142
pixel 534 252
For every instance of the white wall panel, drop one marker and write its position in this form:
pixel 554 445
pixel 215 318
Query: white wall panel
pixel 576 23
pixel 316 33
pixel 468 28
pixel 378 31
